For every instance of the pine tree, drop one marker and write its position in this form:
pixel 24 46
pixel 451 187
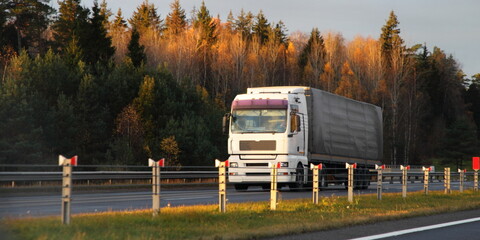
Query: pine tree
pixel 206 24
pixel 460 143
pixel 390 38
pixel 72 20
pixel 22 24
pixel 106 13
pixel 119 21
pixel 145 17
pixel 280 32
pixel 261 27
pixel 97 46
pixel 230 21
pixel 472 99
pixel 176 20
pixel 136 52
pixel 244 24
pixel 312 58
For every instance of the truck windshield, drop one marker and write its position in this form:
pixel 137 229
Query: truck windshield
pixel 259 121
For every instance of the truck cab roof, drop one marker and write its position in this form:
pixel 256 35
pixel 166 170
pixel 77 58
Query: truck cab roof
pixel 281 89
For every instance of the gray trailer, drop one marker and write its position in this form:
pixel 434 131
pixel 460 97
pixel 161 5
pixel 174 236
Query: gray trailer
pixel 342 130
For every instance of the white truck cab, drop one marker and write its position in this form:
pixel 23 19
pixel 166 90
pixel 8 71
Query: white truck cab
pixel 268 125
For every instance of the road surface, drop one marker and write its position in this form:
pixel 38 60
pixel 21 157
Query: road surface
pixel 47 204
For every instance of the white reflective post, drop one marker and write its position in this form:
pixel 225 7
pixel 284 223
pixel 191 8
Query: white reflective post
pixel 155 189
pixel 66 193
pixel 222 186
pixel 273 187
pixel 379 181
pixel 156 184
pixel 462 179
pixel 404 180
pixel 426 173
pixel 316 171
pixel 446 184
pixel 350 169
pixel 67 164
pixel 475 181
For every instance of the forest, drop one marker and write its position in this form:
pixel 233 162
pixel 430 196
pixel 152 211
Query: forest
pixel 89 82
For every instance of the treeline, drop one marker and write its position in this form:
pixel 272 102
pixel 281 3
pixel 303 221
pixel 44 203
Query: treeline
pixel 83 81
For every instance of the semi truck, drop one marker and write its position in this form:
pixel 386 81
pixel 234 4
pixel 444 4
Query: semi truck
pixel 295 126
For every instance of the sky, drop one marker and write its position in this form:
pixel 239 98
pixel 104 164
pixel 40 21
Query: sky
pixel 451 25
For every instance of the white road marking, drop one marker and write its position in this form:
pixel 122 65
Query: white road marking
pixel 412 230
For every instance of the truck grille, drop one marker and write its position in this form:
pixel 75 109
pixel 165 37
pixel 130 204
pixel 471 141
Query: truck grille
pixel 258 146
pixel 257 174
pixel 256 164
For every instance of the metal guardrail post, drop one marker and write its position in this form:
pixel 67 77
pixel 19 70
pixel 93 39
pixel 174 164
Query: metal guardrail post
pixel 350 169
pixel 222 185
pixel 273 185
pixel 316 188
pixel 475 181
pixel 379 181
pixel 67 186
pixel 404 179
pixel 156 184
pixel 462 178
pixel 426 173
pixel 446 183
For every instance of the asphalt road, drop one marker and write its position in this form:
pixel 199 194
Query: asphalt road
pixel 47 204
pixel 405 229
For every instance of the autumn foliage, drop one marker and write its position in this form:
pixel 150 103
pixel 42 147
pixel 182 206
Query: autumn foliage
pixel 170 79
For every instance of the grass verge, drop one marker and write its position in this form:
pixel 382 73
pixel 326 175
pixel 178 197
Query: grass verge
pixel 243 220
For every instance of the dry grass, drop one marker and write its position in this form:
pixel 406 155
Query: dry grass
pixel 243 220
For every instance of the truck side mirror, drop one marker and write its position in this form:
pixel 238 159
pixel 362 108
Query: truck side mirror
pixel 226 119
pixel 297 122
pixel 293 122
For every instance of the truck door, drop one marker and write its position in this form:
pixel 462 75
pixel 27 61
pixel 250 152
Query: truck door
pixel 298 130
pixel 302 135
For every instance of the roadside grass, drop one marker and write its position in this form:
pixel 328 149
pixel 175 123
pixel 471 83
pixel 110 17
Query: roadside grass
pixel 243 220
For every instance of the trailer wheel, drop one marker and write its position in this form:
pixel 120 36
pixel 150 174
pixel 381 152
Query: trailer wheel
pixel 323 181
pixel 299 178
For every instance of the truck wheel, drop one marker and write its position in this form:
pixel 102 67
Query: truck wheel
pixel 241 187
pixel 299 178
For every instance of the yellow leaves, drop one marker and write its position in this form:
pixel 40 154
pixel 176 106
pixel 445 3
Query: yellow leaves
pixel 170 148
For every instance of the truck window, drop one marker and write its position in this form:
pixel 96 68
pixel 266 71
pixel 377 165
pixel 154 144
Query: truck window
pixel 259 121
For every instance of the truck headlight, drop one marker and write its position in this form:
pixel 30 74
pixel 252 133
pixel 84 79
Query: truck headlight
pixel 233 164
pixel 284 164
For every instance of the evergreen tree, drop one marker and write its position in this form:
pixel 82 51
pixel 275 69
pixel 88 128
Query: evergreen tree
pixel 230 21
pixel 261 27
pixel 244 23
pixel 22 24
pixel 72 20
pixel 136 52
pixel 280 32
pixel 459 144
pixel 314 41
pixel 145 17
pixel 176 19
pixel 93 135
pixel 472 99
pixel 119 22
pixel 207 26
pixel 106 13
pixel 97 46
pixel 390 38
pixel 21 138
